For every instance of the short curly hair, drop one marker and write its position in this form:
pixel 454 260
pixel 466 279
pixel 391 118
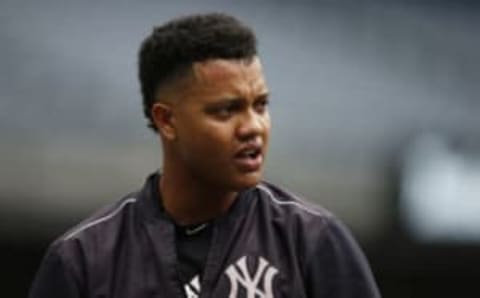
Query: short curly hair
pixel 171 49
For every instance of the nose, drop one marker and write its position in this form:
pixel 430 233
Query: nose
pixel 251 125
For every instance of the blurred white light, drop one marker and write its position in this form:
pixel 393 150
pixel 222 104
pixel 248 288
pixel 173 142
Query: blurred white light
pixel 440 192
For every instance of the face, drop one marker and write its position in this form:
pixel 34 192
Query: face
pixel 220 123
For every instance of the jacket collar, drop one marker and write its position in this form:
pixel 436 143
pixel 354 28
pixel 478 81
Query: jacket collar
pixel 150 202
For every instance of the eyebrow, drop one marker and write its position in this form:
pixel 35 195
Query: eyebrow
pixel 263 95
pixel 225 101
pixel 233 99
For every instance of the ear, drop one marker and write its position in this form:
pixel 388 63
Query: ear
pixel 162 116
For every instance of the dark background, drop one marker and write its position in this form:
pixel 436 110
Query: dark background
pixel 355 85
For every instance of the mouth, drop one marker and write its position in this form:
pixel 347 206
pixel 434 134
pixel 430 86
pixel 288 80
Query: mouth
pixel 249 159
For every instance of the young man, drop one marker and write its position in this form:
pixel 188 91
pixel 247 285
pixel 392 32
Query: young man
pixel 207 226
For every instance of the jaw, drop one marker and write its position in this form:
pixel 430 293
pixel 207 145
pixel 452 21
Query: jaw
pixel 215 174
pixel 246 180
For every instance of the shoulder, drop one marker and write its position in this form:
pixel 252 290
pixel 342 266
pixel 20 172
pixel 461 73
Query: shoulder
pixel 286 203
pixel 309 220
pixel 87 243
pixel 96 236
pixel 105 219
pixel 325 247
pixel 100 229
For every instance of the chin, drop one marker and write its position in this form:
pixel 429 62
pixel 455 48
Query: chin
pixel 247 181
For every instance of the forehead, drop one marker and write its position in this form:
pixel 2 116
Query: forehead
pixel 222 73
pixel 218 69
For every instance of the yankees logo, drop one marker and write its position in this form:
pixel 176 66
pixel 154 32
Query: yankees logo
pixel 192 289
pixel 238 274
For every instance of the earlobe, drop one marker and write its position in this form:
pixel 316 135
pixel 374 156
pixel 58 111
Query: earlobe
pixel 163 119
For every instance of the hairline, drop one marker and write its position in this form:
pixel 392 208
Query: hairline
pixel 182 74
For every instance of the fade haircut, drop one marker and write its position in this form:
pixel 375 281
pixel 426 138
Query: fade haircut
pixel 171 49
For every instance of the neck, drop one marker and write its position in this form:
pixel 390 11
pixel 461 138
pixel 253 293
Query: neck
pixel 190 201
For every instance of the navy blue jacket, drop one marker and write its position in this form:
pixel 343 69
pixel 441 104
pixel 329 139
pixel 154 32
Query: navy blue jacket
pixel 269 244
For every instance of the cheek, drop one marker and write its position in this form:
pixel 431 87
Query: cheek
pixel 219 136
pixel 266 122
pixel 208 138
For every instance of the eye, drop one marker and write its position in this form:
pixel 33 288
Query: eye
pixel 226 110
pixel 261 105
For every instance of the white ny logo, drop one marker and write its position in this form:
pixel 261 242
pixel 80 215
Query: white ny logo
pixel 251 283
pixel 192 289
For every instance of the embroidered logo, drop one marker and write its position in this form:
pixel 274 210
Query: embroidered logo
pixel 238 274
pixel 192 289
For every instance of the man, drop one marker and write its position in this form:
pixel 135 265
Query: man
pixel 207 226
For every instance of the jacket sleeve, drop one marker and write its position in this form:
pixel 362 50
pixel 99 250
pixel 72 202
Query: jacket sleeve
pixel 336 266
pixel 55 279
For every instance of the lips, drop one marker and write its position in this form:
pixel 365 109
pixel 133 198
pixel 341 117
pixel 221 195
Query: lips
pixel 249 158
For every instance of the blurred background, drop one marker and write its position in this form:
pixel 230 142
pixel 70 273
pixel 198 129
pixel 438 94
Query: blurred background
pixel 375 108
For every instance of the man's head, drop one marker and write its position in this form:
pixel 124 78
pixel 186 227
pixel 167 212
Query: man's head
pixel 205 94
pixel 169 52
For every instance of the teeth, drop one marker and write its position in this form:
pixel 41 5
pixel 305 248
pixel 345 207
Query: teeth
pixel 250 152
